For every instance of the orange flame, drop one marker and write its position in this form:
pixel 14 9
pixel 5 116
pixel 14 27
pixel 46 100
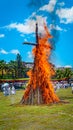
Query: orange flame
pixel 40 75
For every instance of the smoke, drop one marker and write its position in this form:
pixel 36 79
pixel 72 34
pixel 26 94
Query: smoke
pixel 54 31
pixel 47 8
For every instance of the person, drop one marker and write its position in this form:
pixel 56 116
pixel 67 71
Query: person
pixel 9 90
pixel 72 87
pixel 58 85
pixel 4 91
pixel 13 90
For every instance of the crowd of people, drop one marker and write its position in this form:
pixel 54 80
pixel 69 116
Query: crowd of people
pixel 62 84
pixel 8 89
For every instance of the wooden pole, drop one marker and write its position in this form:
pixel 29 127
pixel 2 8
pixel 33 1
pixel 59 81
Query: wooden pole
pixel 29 43
pixel 31 96
pixel 38 89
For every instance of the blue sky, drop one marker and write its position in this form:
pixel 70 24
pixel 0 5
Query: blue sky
pixel 17 24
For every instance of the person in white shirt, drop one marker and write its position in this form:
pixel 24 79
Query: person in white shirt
pixel 72 87
pixel 13 90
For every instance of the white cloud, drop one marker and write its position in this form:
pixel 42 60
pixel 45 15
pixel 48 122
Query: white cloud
pixel 49 7
pixel 65 15
pixel 14 51
pixel 61 3
pixel 68 66
pixel 33 14
pixel 58 28
pixel 2 35
pixel 58 66
pixel 29 54
pixel 20 27
pixel 25 40
pixel 2 51
pixel 22 35
pixel 51 26
pixel 29 26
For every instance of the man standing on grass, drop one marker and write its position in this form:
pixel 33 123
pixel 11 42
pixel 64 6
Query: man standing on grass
pixel 72 87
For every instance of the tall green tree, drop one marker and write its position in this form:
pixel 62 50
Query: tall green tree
pixel 13 68
pixel 2 67
pixel 20 67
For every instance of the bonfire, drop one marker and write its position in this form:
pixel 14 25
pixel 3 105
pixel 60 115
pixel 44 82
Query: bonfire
pixel 40 89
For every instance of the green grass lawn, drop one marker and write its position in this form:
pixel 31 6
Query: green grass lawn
pixel 44 117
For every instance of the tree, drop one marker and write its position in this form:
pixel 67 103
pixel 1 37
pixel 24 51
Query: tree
pixel 2 67
pixel 68 73
pixel 20 66
pixel 64 73
pixel 59 74
pixel 13 68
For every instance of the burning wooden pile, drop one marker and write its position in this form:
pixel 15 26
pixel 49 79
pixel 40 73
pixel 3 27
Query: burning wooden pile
pixel 40 88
